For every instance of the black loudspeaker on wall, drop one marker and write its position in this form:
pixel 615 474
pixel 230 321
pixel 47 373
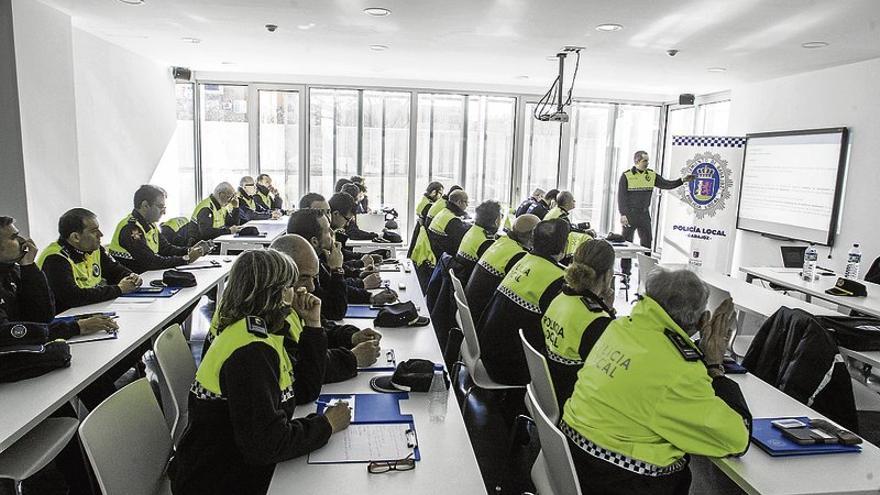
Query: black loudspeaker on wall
pixel 181 73
pixel 686 99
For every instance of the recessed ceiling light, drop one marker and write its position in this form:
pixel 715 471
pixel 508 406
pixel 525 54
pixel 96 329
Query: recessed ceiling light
pixel 132 2
pixel 609 28
pixel 227 63
pixel 378 48
pixel 306 27
pixel 377 11
pixel 522 77
pixel 194 41
pixel 814 44
pixel 717 69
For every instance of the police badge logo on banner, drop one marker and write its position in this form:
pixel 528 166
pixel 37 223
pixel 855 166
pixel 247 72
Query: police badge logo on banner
pixel 708 193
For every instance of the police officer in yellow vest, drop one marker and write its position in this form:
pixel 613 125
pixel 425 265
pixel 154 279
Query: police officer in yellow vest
pixel 177 231
pixel 246 388
pixel 138 242
pixel 250 205
pixel 579 314
pixel 634 193
pixel 481 236
pixel 522 297
pixel 647 396
pixel 217 214
pixel 432 193
pixel 78 269
pixel 448 228
pixel 267 196
pixel 422 253
pixel 564 204
pixel 496 262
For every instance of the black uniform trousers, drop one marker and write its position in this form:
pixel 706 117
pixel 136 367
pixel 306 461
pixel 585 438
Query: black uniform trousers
pixel 638 221
pixel 600 477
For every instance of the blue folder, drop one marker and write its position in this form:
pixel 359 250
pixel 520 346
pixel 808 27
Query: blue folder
pixel 772 441
pixel 361 311
pixel 166 292
pixel 375 408
pixel 84 316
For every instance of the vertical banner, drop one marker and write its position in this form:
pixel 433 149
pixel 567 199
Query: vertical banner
pixel 700 217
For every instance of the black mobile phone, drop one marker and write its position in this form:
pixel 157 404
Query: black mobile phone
pixel 800 436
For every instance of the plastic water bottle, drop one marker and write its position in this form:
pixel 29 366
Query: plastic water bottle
pixel 853 260
pixel 438 395
pixel 811 257
pixel 695 260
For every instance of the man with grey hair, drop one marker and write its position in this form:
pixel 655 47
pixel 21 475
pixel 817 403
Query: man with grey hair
pixel 634 191
pixel 647 396
pixel 250 206
pixel 217 214
pixel 535 198
pixel 448 228
pixel 564 204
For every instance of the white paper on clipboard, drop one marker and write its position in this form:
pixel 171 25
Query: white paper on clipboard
pixel 366 442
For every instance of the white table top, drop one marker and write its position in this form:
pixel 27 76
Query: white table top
pixel 629 250
pixel 26 403
pixel 758 300
pixel 790 279
pixel 272 228
pixel 759 473
pixel 448 463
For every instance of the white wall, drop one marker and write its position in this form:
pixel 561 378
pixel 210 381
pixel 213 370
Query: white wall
pixel 839 96
pixel 44 65
pixel 125 118
pixel 95 119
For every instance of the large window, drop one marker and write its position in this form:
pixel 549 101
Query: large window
pixel 489 157
pixel 637 128
pixel 385 161
pixel 279 141
pixel 714 118
pixel 176 169
pixel 540 153
pixel 333 137
pixel 440 131
pixel 589 159
pixel 224 134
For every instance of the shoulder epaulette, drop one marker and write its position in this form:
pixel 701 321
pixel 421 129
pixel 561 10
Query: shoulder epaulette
pixel 686 348
pixel 257 326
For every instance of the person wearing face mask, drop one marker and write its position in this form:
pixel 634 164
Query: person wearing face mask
pixel 267 196
pixel 79 270
pixel 496 262
pixel 217 214
pixel 242 401
pixel 139 244
pixel 250 207
pixel 580 313
pixel 522 297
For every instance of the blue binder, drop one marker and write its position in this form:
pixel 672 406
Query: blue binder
pixel 361 311
pixel 84 316
pixel 772 441
pixel 375 408
pixel 166 292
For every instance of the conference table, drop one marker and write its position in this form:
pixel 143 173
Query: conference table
pixel 26 403
pixel 273 229
pixel 791 280
pixel 448 463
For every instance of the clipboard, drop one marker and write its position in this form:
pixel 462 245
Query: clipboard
pixel 378 410
pixel 361 311
pixel 166 292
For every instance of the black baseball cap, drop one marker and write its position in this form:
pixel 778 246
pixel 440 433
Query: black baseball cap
pixel 412 375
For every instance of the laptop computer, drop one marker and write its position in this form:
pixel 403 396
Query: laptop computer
pixel 793 256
